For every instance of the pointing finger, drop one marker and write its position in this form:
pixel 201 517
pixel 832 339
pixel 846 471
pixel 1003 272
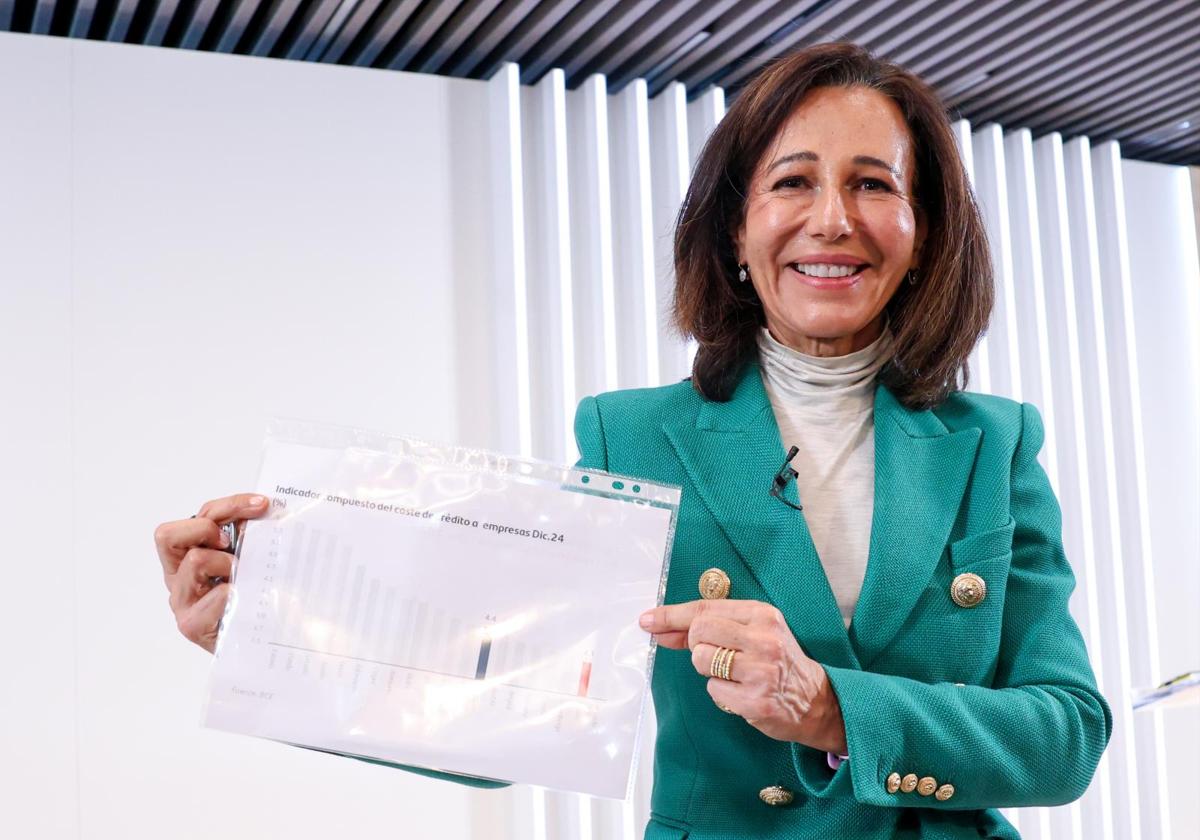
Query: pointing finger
pixel 679 617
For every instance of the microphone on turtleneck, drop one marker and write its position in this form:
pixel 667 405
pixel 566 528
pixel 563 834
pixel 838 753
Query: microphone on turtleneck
pixel 786 473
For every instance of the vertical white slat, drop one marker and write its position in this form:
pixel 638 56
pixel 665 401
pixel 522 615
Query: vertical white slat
pixel 998 347
pixel 1029 314
pixel 591 237
pixel 595 304
pixel 633 237
pixel 548 251
pixel 669 180
pixel 1029 288
pixel 636 299
pixel 1116 288
pixel 1074 488
pixel 703 115
pixel 988 183
pixel 991 188
pixel 511 397
pixel 978 360
pixel 507 271
pixel 1099 429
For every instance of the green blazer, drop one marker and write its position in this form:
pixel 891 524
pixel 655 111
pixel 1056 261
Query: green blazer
pixel 997 700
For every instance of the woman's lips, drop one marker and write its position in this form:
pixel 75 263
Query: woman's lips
pixel 828 282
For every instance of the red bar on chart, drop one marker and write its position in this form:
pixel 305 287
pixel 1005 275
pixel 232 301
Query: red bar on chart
pixel 585 676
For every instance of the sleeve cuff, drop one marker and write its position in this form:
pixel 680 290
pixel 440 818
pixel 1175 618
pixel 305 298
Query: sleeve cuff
pixel 816 774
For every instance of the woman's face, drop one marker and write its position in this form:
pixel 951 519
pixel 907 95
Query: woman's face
pixel 830 227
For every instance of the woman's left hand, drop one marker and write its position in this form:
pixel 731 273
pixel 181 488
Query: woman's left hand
pixel 772 683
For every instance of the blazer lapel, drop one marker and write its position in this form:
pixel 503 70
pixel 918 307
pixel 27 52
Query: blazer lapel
pixel 921 473
pixel 733 450
pixel 731 454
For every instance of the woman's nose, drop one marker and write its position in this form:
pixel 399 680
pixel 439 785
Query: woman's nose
pixel 828 218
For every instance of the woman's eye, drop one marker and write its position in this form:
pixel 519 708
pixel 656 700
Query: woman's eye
pixel 873 185
pixel 793 181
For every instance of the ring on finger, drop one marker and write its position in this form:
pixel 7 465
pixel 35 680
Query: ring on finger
pixel 722 663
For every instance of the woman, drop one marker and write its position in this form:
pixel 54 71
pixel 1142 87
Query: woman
pixel 882 646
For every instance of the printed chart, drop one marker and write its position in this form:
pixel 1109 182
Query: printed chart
pixel 422 613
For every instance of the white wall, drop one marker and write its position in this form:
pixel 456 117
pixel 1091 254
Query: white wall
pixel 1166 307
pixel 190 242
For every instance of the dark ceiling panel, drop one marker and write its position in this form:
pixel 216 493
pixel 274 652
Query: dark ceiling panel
pixel 43 15
pixel 361 24
pixel 160 21
pixel 380 31
pixel 1108 80
pixel 823 22
pixel 725 42
pixel 278 16
pixel 627 19
pixel 311 28
pixel 524 34
pixel 488 36
pixel 428 18
pixel 1049 55
pixel 568 32
pixel 447 40
pixel 1127 70
pixel 623 65
pixel 81 21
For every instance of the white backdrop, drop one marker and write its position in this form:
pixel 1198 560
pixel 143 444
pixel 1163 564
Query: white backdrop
pixel 190 242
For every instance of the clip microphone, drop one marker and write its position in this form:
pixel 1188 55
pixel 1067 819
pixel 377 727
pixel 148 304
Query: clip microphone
pixel 786 473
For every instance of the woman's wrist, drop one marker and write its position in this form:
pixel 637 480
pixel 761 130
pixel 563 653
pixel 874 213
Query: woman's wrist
pixel 827 729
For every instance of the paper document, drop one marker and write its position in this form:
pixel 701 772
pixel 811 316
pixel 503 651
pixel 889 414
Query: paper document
pixel 446 608
pixel 1178 692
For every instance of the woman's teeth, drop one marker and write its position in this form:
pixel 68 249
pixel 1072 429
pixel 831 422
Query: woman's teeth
pixel 826 269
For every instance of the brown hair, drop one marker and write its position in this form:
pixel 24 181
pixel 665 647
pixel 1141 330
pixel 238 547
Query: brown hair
pixel 935 322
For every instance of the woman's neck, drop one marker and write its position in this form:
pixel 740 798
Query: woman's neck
pixel 841 345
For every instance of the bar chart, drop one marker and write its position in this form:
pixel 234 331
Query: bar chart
pixel 333 611
pixel 443 617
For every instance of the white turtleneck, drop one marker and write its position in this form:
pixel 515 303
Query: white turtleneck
pixel 825 406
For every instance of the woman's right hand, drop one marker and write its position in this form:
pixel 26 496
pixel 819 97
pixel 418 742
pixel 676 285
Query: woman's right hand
pixel 192 554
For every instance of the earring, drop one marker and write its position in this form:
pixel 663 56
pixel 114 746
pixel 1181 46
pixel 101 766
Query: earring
pixel 911 276
pixel 743 274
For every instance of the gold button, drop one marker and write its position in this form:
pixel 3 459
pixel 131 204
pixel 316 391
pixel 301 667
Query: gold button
pixel 927 785
pixel 714 584
pixel 776 795
pixel 893 783
pixel 909 783
pixel 944 792
pixel 968 590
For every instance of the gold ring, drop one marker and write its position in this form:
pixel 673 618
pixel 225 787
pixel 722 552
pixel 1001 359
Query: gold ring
pixel 712 667
pixel 722 663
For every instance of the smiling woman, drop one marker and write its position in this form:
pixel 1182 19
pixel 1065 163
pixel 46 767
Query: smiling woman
pixel 895 657
pixel 829 231
pixel 832 179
